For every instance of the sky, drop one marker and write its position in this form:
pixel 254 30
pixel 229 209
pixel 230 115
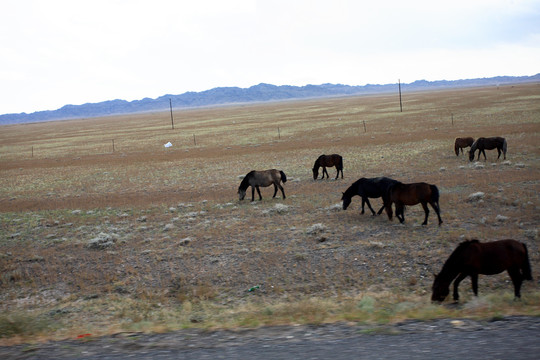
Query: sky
pixel 59 52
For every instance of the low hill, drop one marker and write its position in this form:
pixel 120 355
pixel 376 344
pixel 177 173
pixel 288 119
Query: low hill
pixel 231 95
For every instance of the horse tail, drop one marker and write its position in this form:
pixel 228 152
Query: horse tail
pixel 527 275
pixel 283 176
pixel 434 193
pixel 505 146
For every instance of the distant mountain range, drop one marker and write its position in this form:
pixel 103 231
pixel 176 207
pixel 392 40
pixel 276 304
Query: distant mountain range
pixel 234 95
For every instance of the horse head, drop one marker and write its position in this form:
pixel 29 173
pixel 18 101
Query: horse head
pixel 346 201
pixel 474 146
pixel 241 194
pixel 439 290
pixel 315 172
pixel 471 155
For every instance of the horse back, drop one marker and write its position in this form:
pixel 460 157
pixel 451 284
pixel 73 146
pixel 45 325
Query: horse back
pixel 414 193
pixel 368 188
pixel 498 256
pixel 329 160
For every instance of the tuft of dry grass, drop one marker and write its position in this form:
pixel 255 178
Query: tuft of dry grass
pixel 180 250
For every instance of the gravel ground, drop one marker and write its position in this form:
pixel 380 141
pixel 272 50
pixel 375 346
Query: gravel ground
pixel 506 338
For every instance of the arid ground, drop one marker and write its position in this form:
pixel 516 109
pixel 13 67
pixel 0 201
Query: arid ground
pixel 104 230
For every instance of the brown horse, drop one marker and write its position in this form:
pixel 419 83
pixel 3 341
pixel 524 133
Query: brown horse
pixel 328 161
pixel 482 144
pixel 472 257
pixel 262 178
pixel 413 194
pixel 462 143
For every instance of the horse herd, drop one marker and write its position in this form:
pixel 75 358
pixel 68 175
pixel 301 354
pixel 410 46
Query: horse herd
pixel 481 144
pixel 470 258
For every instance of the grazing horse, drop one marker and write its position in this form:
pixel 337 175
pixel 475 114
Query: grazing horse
pixel 482 144
pixel 328 161
pixel 472 257
pixel 412 194
pixel 462 143
pixel 368 188
pixel 262 178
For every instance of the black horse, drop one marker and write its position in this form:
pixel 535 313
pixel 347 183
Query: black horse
pixel 482 144
pixel 412 194
pixel 472 257
pixel 328 161
pixel 368 188
pixel 263 178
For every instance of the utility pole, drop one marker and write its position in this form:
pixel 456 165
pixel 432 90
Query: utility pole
pixel 400 103
pixel 172 121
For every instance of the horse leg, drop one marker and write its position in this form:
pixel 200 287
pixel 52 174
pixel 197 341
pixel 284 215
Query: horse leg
pixel 259 192
pixel 474 283
pixel 517 280
pixel 456 284
pixel 400 212
pixel 381 210
pixel 337 173
pixel 325 172
pixel 282 191
pixel 435 207
pixel 483 152
pixel 498 153
pixel 426 211
pixel 275 190
pixel 388 207
pixel 370 208
pixel 253 193
pixel 363 202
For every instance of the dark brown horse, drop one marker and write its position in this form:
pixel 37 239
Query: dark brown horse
pixel 413 194
pixel 328 161
pixel 472 257
pixel 264 178
pixel 368 188
pixel 462 143
pixel 482 144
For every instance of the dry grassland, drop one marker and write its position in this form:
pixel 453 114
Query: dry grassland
pixel 145 238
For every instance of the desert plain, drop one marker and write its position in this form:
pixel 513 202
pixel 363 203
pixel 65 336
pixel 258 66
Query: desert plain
pixel 105 230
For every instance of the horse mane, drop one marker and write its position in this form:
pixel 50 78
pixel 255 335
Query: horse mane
pixel 474 145
pixel 456 254
pixel 317 162
pixel 245 181
pixel 351 190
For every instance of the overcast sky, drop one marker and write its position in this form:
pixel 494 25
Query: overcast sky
pixel 54 52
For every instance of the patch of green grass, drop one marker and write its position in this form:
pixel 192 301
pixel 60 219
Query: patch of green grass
pixel 24 324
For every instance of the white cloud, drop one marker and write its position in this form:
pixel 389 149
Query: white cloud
pixel 56 52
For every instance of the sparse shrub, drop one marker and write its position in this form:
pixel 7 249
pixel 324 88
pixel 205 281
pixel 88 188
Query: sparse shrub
pixel 102 241
pixel 315 229
pixel 477 196
pixel 17 323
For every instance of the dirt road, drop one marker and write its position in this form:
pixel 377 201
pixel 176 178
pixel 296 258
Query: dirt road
pixel 506 338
